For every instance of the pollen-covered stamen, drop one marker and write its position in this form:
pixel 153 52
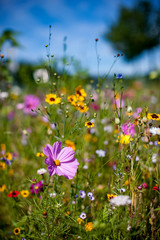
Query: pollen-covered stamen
pixel 57 162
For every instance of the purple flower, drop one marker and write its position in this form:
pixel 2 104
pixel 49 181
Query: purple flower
pixel 8 162
pixel 61 162
pixel 89 194
pixel 83 215
pixel 139 187
pixel 36 187
pixel 128 129
pixel 31 102
pixel 92 198
pixel 82 194
pixel 10 115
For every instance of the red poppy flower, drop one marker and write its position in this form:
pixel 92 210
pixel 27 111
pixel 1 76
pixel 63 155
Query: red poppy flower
pixel 156 188
pixel 13 194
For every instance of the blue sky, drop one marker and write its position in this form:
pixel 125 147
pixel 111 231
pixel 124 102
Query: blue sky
pixel 81 21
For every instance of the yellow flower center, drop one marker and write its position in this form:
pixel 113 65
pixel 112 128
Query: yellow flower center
pixel 57 162
pixel 36 187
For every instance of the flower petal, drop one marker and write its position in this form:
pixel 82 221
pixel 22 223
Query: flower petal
pixel 69 169
pixel 48 151
pixel 51 170
pixel 58 171
pixel 66 155
pixel 47 161
pixel 56 149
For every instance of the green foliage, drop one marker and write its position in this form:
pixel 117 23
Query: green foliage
pixel 136 30
pixel 9 35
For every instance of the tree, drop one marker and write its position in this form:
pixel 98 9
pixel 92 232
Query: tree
pixel 9 35
pixel 136 30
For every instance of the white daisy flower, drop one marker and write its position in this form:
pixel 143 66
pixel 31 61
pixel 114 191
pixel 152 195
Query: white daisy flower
pixel 154 131
pixel 121 200
pixel 41 171
pixel 101 153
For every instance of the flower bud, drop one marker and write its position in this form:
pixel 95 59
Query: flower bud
pixel 117 121
pixel 144 119
pixel 129 109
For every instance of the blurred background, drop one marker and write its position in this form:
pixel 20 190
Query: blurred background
pixel 85 32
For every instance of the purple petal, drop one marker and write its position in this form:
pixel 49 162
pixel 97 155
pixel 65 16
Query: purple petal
pixel 66 155
pixel 48 151
pixel 56 149
pixel 58 171
pixel 69 169
pixel 47 161
pixel 51 170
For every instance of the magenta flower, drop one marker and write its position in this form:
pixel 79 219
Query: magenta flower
pixel 36 187
pixel 144 185
pixel 61 162
pixel 128 129
pixel 31 102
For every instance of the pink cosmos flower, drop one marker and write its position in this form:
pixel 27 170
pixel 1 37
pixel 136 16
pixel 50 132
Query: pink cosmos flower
pixel 128 129
pixel 31 102
pixel 61 162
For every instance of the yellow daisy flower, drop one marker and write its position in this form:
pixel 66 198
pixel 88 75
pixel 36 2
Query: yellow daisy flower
pixel 81 107
pixel 127 182
pixel 153 116
pixel 8 156
pixel 2 188
pixel 72 99
pixel 125 139
pixel 89 124
pixel 52 99
pixel 39 154
pixel 110 196
pixel 80 93
pixel 80 221
pixel 25 193
pixel 16 231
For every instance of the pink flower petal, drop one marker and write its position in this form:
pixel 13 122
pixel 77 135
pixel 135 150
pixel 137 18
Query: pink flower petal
pixel 48 151
pixel 56 149
pixel 58 171
pixel 51 170
pixel 66 155
pixel 69 170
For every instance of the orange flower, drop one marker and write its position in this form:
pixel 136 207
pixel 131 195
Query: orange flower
pixel 70 144
pixel 89 226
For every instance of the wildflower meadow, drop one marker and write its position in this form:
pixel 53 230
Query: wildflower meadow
pixel 79 156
